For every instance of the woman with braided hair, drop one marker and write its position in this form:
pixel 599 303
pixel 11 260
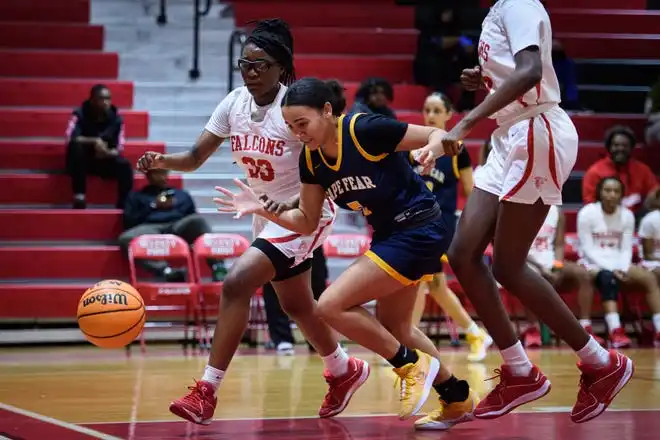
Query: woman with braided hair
pixel 263 146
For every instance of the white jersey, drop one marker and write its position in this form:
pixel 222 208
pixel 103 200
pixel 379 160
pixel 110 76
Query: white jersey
pixel 509 27
pixel 542 251
pixel 649 228
pixel 261 143
pixel 606 240
pixel 268 152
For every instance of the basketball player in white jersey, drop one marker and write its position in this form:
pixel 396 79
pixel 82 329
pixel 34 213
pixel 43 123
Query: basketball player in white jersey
pixel 268 152
pixel 606 229
pixel 546 256
pixel 533 152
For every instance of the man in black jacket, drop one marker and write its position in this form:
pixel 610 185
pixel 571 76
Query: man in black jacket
pixel 160 209
pixel 95 137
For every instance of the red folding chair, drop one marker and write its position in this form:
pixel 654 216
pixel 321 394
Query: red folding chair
pixel 172 248
pixel 222 247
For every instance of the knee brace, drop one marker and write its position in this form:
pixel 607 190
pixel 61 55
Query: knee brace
pixel 608 285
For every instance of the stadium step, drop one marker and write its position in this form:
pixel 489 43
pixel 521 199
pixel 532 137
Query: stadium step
pixel 77 11
pixel 603 99
pixel 617 72
pixel 376 41
pixel 44 122
pixel 26 35
pixel 623 21
pixel 317 13
pixel 347 68
pixel 60 224
pixel 56 189
pixel 58 64
pixel 59 93
pixel 51 155
pixel 94 262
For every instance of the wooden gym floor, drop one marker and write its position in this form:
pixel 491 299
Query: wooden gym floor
pixel 86 393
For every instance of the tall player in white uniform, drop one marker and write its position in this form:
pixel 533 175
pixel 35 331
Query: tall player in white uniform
pixel 268 152
pixel 533 152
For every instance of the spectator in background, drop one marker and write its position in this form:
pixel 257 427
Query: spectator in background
pixel 653 112
pixel 161 209
pixel 605 229
pixel 95 138
pixel 638 179
pixel 442 51
pixel 374 96
pixel 546 257
pixel 649 233
pixel 566 74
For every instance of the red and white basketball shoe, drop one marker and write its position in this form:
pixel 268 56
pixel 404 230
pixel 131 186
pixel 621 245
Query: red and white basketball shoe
pixel 599 386
pixel 342 388
pixel 512 392
pixel 197 406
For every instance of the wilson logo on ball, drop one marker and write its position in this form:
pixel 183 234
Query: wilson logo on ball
pixel 106 298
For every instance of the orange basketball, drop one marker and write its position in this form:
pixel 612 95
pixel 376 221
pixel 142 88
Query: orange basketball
pixel 111 314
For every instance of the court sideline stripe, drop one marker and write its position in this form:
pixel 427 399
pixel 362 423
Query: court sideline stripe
pixel 70 426
pixel 539 410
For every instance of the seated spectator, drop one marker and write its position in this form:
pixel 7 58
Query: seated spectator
pixel 442 49
pixel 653 113
pixel 160 209
pixel 605 230
pixel 374 96
pixel 546 256
pixel 638 179
pixel 567 76
pixel 95 138
pixel 649 233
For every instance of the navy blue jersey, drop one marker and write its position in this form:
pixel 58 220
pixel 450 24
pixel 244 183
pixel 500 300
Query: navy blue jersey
pixel 443 180
pixel 366 175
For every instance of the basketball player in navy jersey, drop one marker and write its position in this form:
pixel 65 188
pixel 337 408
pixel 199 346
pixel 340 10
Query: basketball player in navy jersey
pixel 351 160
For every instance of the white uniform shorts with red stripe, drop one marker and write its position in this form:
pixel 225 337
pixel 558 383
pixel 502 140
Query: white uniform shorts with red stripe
pixel 293 245
pixel 531 159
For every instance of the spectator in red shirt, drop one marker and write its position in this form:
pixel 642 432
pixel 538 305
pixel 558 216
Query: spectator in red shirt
pixel 638 179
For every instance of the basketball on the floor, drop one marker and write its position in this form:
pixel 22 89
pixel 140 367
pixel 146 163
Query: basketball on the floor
pixel 111 314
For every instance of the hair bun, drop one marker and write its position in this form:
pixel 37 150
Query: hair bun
pixel 339 100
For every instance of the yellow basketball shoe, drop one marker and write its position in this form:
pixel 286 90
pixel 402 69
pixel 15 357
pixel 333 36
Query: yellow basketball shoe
pixel 416 381
pixel 449 414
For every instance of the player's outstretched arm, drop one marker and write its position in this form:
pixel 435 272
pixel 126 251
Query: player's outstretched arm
pixel 304 219
pixel 190 160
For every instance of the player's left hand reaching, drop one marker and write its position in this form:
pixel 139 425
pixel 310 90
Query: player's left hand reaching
pixel 452 142
pixel 241 203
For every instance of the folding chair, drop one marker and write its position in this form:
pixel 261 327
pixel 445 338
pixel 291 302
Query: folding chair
pixel 222 247
pixel 165 247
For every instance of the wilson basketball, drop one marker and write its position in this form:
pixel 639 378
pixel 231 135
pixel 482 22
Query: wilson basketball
pixel 111 314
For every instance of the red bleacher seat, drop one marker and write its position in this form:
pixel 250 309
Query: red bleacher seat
pixel 58 64
pixel 69 35
pixel 182 296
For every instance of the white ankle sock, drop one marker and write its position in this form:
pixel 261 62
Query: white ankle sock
pixel 613 321
pixel 473 329
pixel 516 359
pixel 585 323
pixel 337 362
pixel 594 354
pixel 656 322
pixel 213 376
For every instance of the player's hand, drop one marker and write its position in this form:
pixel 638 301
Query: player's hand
pixel 425 157
pixel 150 161
pixel 274 207
pixel 620 275
pixel 244 202
pixel 471 78
pixel 452 142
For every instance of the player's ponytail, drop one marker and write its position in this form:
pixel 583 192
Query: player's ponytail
pixel 314 93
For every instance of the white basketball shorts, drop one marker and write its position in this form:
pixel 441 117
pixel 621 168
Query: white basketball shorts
pixel 531 159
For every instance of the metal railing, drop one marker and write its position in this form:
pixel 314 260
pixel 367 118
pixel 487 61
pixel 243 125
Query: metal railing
pixel 238 37
pixel 195 73
pixel 162 13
